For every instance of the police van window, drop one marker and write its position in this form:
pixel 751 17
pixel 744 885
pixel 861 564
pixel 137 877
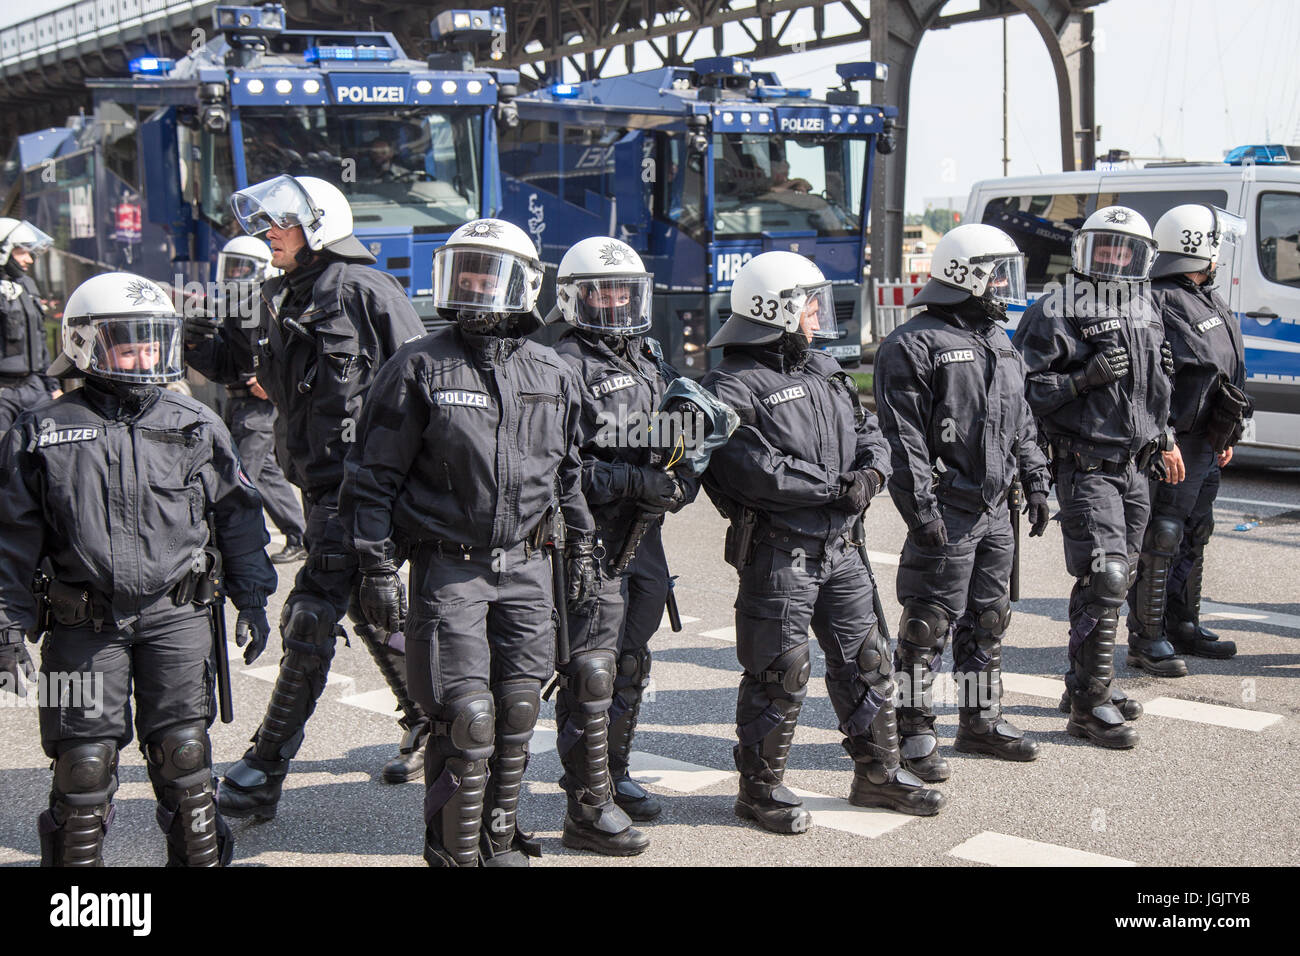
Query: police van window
pixel 778 183
pixel 1277 233
pixel 1042 226
pixel 216 177
pixel 679 199
pixel 1154 204
pixel 419 166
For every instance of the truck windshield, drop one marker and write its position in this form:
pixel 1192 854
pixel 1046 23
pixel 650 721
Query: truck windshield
pixel 412 167
pixel 772 183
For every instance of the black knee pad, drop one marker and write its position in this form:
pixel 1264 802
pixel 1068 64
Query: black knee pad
pixel 633 667
pixel 591 678
pixel 308 625
pixel 787 676
pixel 1109 586
pixel 181 755
pixel 924 625
pixel 992 621
pixel 85 772
pixel 1200 534
pixel 874 663
pixel 517 704
pixel 467 727
pixel 1163 535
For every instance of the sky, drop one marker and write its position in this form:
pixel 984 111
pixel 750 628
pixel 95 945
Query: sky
pixel 1178 78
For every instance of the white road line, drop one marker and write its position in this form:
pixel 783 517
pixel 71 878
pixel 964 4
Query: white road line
pixel 727 634
pixel 674 774
pixel 380 701
pixel 1282 505
pixel 1215 714
pixel 999 849
pixel 883 557
pixel 1234 612
pixel 835 813
pixel 271 671
pixel 666 625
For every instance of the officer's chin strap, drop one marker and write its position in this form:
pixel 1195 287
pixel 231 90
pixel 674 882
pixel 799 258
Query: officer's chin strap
pixel 794 347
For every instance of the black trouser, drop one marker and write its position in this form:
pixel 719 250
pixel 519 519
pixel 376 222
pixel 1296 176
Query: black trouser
pixel 165 658
pixel 968 577
pixel 252 426
pixel 480 642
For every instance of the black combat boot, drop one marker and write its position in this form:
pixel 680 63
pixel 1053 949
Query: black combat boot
pixel 879 779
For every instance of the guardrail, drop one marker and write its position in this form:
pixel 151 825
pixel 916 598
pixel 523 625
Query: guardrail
pixel 889 298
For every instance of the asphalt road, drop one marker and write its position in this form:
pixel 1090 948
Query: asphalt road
pixel 1207 785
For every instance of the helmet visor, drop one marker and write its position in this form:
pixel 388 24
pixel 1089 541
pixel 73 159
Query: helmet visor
pixel 816 307
pixel 137 348
pixel 1113 255
pixel 1006 281
pixel 276 202
pixel 618 304
pixel 1228 227
pixel 232 267
pixel 479 280
pixel 28 237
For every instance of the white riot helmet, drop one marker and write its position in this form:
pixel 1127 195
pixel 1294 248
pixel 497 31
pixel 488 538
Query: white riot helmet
pixel 1190 237
pixel 1114 244
pixel 21 234
pixel 603 286
pixel 975 260
pixel 487 270
pixel 320 208
pixel 245 259
pixel 775 293
pixel 122 327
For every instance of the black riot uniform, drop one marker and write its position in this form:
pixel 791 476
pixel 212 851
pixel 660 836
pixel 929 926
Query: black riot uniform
pixel 25 357
pixel 1208 405
pixel 795 538
pixel 252 420
pixel 950 395
pixel 468 444
pixel 113 486
pixel 1096 384
pixel 623 382
pixel 325 329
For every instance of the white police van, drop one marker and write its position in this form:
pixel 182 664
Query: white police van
pixel 1260 279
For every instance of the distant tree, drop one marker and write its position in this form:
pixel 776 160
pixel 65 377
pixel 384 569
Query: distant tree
pixel 941 220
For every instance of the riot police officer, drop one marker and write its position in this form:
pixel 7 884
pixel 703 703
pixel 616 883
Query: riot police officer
pixel 133 494
pixel 794 480
pixel 463 440
pixel 325 328
pixel 24 383
pixel 950 392
pixel 243 265
pixel 603 292
pixel 1099 386
pixel 1209 406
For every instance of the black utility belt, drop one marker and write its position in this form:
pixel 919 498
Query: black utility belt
pixel 812 547
pixel 1087 462
pixel 452 550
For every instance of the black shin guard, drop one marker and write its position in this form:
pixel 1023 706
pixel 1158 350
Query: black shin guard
pixel 81 804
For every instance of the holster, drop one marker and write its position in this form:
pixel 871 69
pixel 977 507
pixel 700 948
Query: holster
pixel 69 605
pixel 738 548
pixel 44 614
pixel 201 587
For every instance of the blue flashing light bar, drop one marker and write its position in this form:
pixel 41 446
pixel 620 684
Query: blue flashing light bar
pixel 349 54
pixel 565 91
pixel 151 65
pixel 783 92
pixel 1263 155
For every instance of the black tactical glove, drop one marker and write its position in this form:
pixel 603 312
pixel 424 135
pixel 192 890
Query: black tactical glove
pixel 932 534
pixel 1104 367
pixel 1167 359
pixel 16 669
pixel 383 598
pixel 1039 513
pixel 857 488
pixel 580 572
pixel 251 628
pixel 654 488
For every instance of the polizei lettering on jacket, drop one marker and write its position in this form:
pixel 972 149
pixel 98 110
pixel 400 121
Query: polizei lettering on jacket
pixel 956 355
pixel 785 395
pixel 459 397
pixel 1109 325
pixel 614 383
pixel 371 94
pixel 61 436
pixel 1213 322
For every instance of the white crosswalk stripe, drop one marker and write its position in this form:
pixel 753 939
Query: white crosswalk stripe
pixel 999 849
pixel 1215 714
